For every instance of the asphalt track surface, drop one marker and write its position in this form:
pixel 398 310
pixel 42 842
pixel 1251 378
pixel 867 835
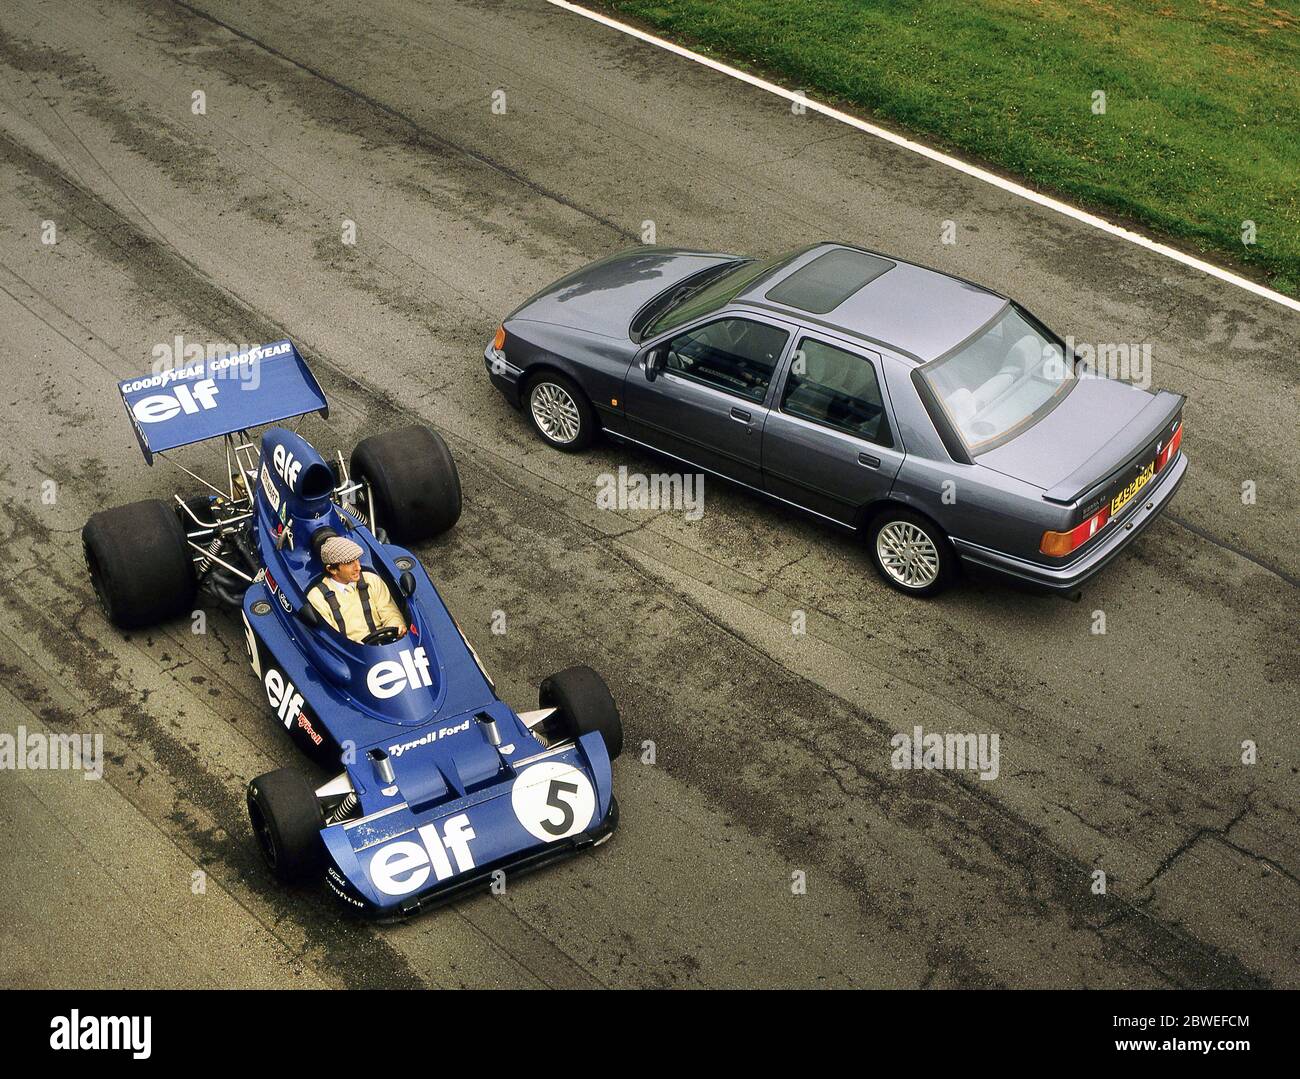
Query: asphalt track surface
pixel 1120 752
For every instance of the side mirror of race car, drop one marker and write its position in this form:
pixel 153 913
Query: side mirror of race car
pixel 407 582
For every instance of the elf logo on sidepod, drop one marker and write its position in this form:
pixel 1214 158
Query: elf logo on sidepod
pixel 284 698
pixel 390 677
pixel 158 407
pixel 404 866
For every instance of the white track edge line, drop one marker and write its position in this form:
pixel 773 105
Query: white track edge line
pixel 944 159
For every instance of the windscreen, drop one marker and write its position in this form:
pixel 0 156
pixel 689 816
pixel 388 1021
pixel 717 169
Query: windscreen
pixel 717 293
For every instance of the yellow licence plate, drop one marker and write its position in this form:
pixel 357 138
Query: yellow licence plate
pixel 1134 486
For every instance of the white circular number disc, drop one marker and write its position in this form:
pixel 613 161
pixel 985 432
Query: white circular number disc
pixel 553 800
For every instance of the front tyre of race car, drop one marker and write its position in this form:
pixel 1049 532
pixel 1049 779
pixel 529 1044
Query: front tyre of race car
pixel 411 482
pixel 287 820
pixel 584 704
pixel 140 563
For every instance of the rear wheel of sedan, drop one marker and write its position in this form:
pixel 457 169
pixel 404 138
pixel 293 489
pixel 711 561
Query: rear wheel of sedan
pixel 286 818
pixel 583 704
pixel 559 411
pixel 911 552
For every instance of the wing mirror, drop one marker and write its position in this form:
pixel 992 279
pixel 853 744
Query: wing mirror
pixel 654 363
pixel 407 583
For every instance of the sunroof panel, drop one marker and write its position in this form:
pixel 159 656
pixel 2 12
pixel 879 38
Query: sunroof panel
pixel 828 280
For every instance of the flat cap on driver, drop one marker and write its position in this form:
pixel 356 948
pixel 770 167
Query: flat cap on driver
pixel 339 549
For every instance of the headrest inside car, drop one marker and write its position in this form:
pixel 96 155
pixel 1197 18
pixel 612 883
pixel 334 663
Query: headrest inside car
pixel 318 539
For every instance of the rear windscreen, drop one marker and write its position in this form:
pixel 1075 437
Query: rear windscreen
pixel 1005 378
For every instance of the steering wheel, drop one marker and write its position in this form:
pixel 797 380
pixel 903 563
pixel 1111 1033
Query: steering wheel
pixel 387 635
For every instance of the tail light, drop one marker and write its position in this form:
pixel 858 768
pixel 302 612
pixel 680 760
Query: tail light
pixel 1056 544
pixel 1059 544
pixel 499 341
pixel 1171 448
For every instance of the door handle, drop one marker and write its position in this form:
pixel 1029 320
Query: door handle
pixel 741 415
pixel 868 460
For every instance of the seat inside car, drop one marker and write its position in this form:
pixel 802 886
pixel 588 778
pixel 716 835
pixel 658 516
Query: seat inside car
pixel 1018 362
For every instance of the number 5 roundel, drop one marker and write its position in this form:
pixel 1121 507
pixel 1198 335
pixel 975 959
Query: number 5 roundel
pixel 553 800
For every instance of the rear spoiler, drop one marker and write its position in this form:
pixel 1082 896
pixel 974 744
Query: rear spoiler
pixel 1128 445
pixel 210 398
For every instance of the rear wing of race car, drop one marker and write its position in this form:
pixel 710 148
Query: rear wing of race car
pixel 215 397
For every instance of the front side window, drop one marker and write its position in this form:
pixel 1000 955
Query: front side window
pixel 732 354
pixel 837 388
pixel 1002 382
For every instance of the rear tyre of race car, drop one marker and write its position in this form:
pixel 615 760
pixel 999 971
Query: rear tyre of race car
pixel 140 563
pixel 584 704
pixel 287 820
pixel 412 483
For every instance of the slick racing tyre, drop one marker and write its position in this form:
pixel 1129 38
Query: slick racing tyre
pixel 584 704
pixel 140 563
pixel 411 482
pixel 287 820
pixel 911 553
pixel 559 411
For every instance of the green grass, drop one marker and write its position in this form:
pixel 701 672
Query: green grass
pixel 1202 124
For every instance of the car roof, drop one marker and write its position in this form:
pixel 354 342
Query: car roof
pixel 915 311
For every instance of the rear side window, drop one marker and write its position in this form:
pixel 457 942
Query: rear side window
pixel 837 388
pixel 732 354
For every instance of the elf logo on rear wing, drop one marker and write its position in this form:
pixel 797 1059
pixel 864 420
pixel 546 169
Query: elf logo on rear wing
pixel 212 398
pixel 159 407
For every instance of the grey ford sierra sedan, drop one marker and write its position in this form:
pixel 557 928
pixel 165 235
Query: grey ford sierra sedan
pixel 935 416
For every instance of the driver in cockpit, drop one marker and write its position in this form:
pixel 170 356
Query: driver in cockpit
pixel 355 602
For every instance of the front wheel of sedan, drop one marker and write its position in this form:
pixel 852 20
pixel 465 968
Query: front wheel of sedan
pixel 911 553
pixel 560 412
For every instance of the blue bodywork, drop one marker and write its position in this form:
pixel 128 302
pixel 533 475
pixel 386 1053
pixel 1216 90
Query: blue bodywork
pixel 459 807
pixel 443 785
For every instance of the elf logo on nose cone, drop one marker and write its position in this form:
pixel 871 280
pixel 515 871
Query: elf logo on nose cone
pixel 404 866
pixel 158 407
pixel 389 678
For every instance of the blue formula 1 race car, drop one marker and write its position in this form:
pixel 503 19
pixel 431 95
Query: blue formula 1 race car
pixel 443 787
